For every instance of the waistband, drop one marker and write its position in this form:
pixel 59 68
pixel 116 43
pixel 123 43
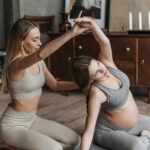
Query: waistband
pixel 11 111
pixel 11 118
pixel 102 120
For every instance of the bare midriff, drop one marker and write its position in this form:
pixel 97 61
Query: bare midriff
pixel 124 117
pixel 27 105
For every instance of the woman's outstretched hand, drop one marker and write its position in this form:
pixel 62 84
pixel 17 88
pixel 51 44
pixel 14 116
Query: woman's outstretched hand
pixel 77 29
pixel 83 24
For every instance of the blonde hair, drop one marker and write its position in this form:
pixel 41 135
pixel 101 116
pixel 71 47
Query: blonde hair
pixel 18 33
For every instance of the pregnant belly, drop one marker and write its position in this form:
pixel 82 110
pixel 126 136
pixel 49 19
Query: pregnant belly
pixel 124 117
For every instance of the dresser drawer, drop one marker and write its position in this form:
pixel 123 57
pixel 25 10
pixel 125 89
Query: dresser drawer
pixel 124 48
pixel 129 68
pixel 86 45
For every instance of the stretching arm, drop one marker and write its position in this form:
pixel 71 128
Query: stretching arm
pixel 57 85
pixel 94 104
pixel 23 62
pixel 105 53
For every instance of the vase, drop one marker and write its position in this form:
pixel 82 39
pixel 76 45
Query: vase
pixel 65 25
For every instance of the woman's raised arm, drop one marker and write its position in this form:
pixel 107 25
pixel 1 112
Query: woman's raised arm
pixel 105 53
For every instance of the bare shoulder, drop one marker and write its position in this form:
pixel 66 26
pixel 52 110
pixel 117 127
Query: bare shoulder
pixel 95 93
pixel 13 72
pixel 13 64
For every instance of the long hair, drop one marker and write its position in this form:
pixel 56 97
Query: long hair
pixel 80 70
pixel 18 33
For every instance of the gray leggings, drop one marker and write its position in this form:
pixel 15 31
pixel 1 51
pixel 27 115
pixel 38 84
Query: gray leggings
pixel 30 132
pixel 114 138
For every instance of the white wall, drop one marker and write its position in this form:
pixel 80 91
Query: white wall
pixel 28 7
pixel 119 14
pixel 42 7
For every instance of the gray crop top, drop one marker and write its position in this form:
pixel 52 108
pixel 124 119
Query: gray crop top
pixel 115 98
pixel 29 86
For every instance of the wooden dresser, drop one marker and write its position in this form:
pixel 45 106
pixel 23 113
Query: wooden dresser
pixel 58 62
pixel 130 53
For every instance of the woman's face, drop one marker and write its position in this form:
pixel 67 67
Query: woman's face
pixel 32 42
pixel 97 71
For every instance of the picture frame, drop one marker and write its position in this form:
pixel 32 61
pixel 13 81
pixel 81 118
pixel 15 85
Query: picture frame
pixel 97 9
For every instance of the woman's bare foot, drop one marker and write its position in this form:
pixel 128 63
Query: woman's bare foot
pixel 145 132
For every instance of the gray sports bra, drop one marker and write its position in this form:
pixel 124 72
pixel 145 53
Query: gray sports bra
pixel 29 86
pixel 115 98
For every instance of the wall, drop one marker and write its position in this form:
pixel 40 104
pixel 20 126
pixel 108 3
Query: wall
pixel 42 7
pixel 15 10
pixel 2 37
pixel 119 14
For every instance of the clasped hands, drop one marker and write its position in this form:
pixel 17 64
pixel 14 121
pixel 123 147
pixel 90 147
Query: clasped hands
pixel 83 25
pixel 85 22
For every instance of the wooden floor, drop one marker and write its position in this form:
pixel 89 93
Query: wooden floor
pixel 68 110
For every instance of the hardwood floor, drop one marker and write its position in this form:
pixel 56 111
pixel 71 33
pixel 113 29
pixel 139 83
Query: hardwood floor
pixel 68 110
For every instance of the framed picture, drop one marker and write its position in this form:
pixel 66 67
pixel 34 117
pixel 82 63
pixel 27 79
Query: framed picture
pixel 94 8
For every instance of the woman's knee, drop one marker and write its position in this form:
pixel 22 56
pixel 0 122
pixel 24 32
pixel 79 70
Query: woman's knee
pixel 76 143
pixel 71 139
pixel 75 140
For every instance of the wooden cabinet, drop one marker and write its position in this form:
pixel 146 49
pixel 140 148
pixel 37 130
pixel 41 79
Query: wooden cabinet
pixel 144 61
pixel 86 45
pixel 58 63
pixel 124 50
pixel 131 54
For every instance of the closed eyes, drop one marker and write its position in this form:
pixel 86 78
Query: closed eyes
pixel 98 71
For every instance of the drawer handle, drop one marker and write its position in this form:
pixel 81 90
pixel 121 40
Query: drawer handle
pixel 142 62
pixel 80 47
pixel 119 65
pixel 69 59
pixel 128 49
